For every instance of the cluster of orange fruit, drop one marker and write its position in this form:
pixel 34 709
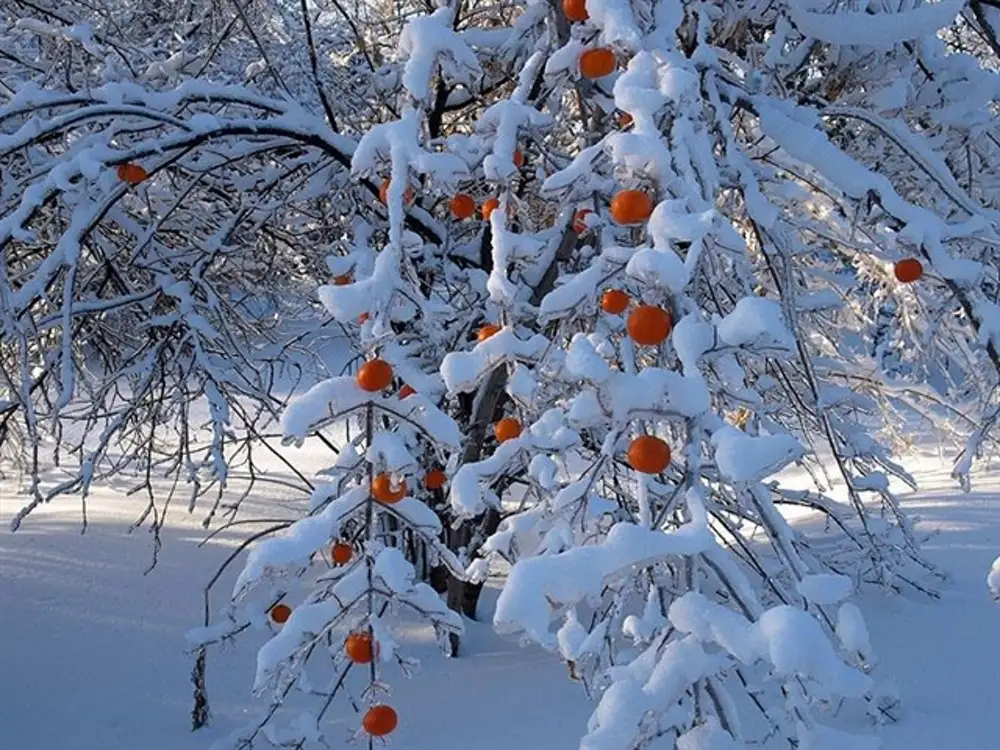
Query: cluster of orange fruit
pixel 373 376
pixel 360 648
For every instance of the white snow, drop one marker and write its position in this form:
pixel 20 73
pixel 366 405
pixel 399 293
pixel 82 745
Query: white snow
pixel 825 588
pixel 57 578
pixel 743 458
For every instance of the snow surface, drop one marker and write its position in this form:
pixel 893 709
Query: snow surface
pixel 93 652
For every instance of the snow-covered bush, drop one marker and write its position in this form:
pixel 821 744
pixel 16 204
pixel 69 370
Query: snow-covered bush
pixel 712 242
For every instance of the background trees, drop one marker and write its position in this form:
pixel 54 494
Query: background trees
pixel 760 234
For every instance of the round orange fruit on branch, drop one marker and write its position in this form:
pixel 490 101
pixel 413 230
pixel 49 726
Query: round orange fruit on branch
pixel 489 206
pixel 374 375
pixel 630 207
pixel 341 553
pixel 575 10
pixel 506 429
pixel 360 648
pixel 435 479
pixel 383 193
pixel 648 454
pixel 597 63
pixel 380 720
pixel 649 325
pixel 383 491
pixel 908 270
pixel 580 220
pixel 487 331
pixel 133 174
pixel 462 206
pixel 280 613
pixel 615 301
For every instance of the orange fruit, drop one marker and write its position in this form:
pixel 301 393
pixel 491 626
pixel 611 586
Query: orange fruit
pixel 462 206
pixel 649 325
pixel 615 301
pixel 382 490
pixel 648 454
pixel 380 720
pixel 342 280
pixel 580 220
pixel 360 648
pixel 575 10
pixel 363 318
pixel 383 193
pixel 341 553
pixel 374 375
pixel 405 391
pixel 506 429
pixel 133 174
pixel 518 158
pixel 280 613
pixel 488 207
pixel 486 331
pixel 631 207
pixel 597 63
pixel 908 270
pixel 435 479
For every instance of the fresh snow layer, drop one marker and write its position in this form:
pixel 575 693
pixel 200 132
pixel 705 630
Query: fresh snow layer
pixel 94 654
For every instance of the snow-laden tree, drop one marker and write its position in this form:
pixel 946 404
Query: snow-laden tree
pixel 711 242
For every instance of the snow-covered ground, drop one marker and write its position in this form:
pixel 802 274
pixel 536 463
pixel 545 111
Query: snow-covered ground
pixel 93 656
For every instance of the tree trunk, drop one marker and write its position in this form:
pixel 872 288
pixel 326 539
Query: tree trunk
pixel 463 597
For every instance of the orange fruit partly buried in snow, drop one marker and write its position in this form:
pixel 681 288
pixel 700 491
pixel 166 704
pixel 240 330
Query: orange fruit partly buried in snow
pixel 380 720
pixel 624 120
pixel 374 375
pixel 342 280
pixel 363 318
pixel 518 158
pixel 280 613
pixel 648 454
pixel 435 479
pixel 406 390
pixel 649 325
pixel 341 553
pixel 359 648
pixel 597 63
pixel 488 207
pixel 133 174
pixel 486 331
pixel 383 193
pixel 383 492
pixel 462 206
pixel 908 270
pixel 575 10
pixel 580 220
pixel 506 429
pixel 615 301
pixel 631 207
